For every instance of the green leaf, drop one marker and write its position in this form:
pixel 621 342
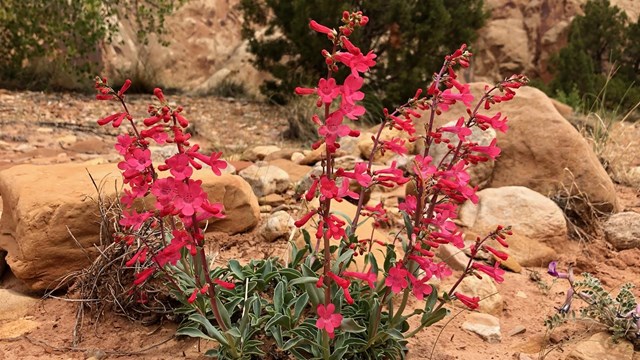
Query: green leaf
pixel 300 305
pixel 224 314
pixel 278 297
pixel 274 320
pixel 431 300
pixel 408 224
pixel 290 274
pixel 193 332
pixel 235 267
pixel 350 325
pixel 339 353
pixel 211 330
pixel 304 280
pixel 434 317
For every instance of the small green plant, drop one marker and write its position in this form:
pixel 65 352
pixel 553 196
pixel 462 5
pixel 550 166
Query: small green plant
pixel 620 315
pixel 230 88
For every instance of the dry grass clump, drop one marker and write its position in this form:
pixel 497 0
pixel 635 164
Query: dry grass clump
pixel 107 284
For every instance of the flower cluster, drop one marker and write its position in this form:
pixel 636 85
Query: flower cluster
pixel 180 203
pixel 440 186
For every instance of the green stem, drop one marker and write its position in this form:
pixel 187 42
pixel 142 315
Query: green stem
pixel 326 350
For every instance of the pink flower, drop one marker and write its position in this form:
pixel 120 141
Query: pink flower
pixel 125 87
pixel 358 63
pixel 449 98
pixel 459 129
pixel 217 164
pixel 350 89
pixel 397 279
pixel 493 271
pixel 179 166
pixel 115 118
pixel 189 197
pixel 491 151
pixel 136 161
pixel 224 284
pixel 350 110
pixel 321 28
pixel 495 121
pixel 143 275
pixel 328 90
pixel 327 320
pixel 470 302
pixel 440 270
pixel 423 167
pixel 124 143
pixel 370 277
pixel 134 220
pixel 328 188
pixel 420 288
pixel 170 254
pixel 409 205
pixel 333 129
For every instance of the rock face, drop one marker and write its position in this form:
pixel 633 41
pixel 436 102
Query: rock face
pixel 622 230
pixel 600 347
pixel 521 35
pixel 39 215
pixel 544 152
pixel 205 48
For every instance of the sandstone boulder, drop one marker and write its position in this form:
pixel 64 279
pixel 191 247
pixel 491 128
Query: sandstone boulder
pixel 490 299
pixel 44 204
pixel 543 151
pixel 484 325
pixel 535 220
pixel 278 225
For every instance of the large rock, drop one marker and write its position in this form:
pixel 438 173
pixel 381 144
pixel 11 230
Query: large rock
pixel 481 173
pixel 544 152
pixel 44 204
pixel 600 347
pixel 278 225
pixel 622 230
pixel 526 211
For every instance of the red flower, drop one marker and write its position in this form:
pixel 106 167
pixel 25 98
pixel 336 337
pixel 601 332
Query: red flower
pixel 494 271
pixel 327 320
pixel 397 279
pixel 133 219
pixel 328 90
pixel 189 197
pixel 224 284
pixel 470 302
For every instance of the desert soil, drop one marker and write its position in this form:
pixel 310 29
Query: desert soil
pixel 42 128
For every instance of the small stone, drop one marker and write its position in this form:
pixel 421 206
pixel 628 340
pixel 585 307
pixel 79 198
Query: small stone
pixel 517 330
pixel 67 140
pixel 266 179
pixel 271 200
pixel 452 256
pixel 259 152
pixel 521 294
pixel 297 157
pixel 509 264
pixel 43 130
pixel 622 230
pixel 278 225
pixel 523 356
pixel 485 325
pixel 265 208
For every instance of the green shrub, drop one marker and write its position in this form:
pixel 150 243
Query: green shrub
pixel 409 37
pixel 65 35
pixel 601 62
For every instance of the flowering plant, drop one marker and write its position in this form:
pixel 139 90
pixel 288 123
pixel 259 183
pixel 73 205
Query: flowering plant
pixel 619 314
pixel 323 302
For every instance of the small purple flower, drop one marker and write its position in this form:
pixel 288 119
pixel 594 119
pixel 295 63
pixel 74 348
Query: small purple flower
pixel 560 275
pixel 552 269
